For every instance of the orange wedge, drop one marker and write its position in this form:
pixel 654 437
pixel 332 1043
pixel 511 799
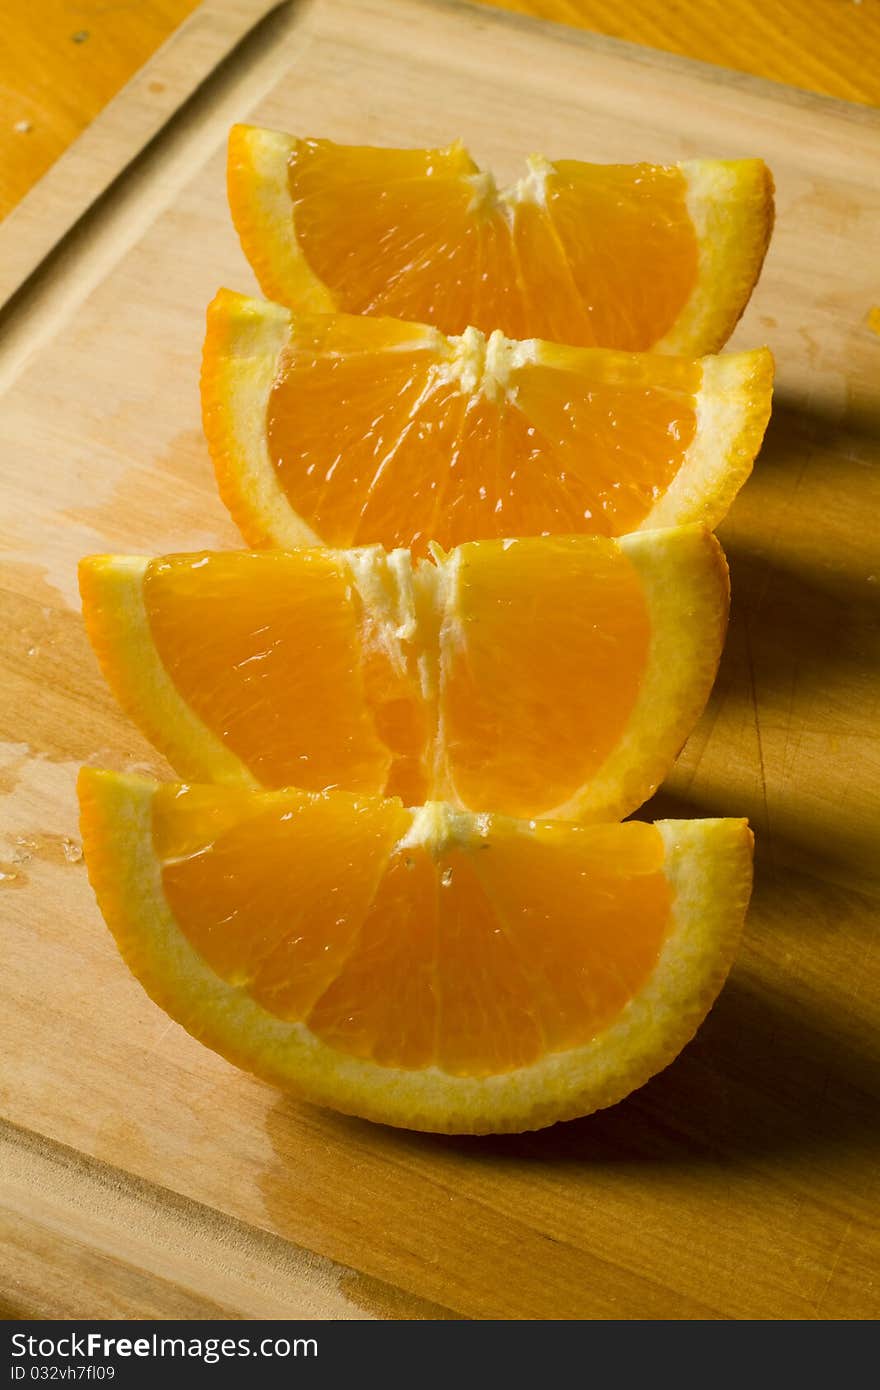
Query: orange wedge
pixel 547 676
pixel 425 968
pixel 345 431
pixel 600 255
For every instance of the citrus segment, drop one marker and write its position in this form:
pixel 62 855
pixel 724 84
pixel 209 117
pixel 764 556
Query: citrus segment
pixel 355 430
pixel 523 741
pixel 259 670
pixel 557 675
pixel 273 903
pixel 262 644
pixel 590 240
pixel 427 968
pixel 627 256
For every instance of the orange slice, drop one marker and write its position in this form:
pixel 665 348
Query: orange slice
pixel 546 676
pixel 425 968
pixel 630 256
pixel 347 431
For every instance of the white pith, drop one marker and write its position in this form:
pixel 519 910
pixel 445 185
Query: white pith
pixel 410 618
pixel 384 582
pixel 484 365
pixel 530 188
pixel 437 826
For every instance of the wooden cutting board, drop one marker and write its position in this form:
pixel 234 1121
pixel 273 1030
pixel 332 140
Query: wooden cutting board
pixel 142 1174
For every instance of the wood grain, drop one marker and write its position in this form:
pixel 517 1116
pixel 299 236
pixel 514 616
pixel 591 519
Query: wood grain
pixel 822 45
pixel 83 1240
pixel 118 134
pixel 54 81
pixel 60 63
pixel 743 1182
